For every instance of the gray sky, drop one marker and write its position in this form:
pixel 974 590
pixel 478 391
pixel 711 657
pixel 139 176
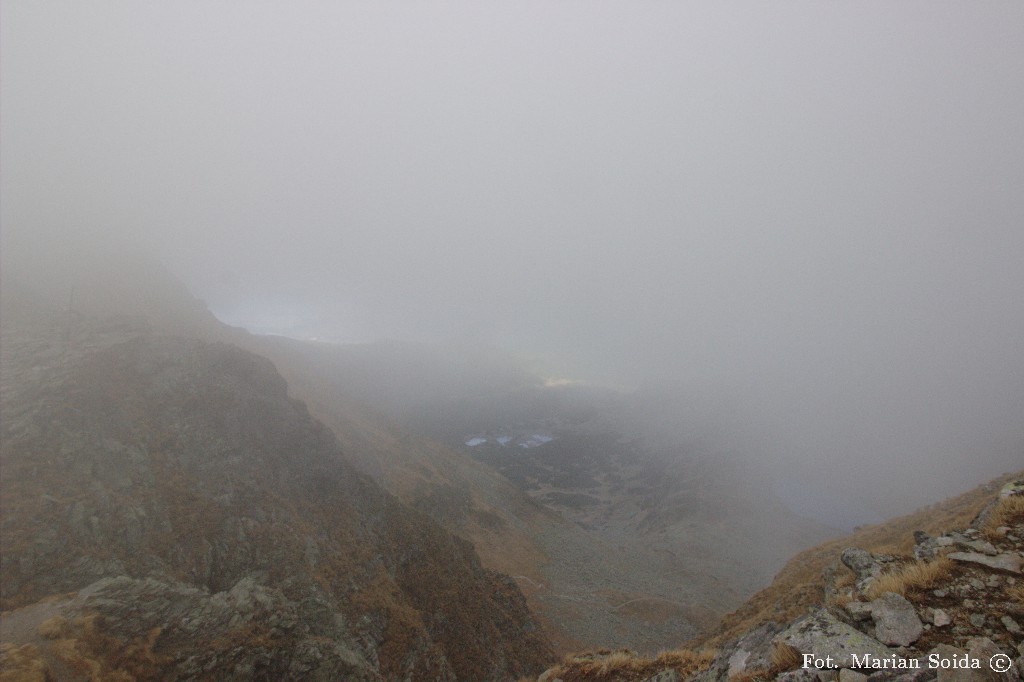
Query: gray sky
pixel 812 211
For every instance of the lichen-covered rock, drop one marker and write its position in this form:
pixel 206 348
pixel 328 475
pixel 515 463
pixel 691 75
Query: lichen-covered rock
pixel 864 565
pixel 849 675
pixel 752 651
pixel 251 632
pixel 1011 563
pixel 823 635
pixel 896 621
pixel 859 611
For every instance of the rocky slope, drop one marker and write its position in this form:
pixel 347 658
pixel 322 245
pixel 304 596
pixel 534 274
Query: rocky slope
pixel 949 609
pixel 169 512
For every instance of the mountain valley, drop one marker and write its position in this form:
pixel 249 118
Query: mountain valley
pixel 164 495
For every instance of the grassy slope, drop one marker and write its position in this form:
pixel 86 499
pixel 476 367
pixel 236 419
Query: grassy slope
pixel 800 583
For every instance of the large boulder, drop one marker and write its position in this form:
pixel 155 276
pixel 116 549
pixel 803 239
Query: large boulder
pixel 824 636
pixel 896 621
pixel 1011 563
pixel 752 651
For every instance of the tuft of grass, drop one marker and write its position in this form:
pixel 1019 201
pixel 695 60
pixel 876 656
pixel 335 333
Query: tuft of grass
pixel 625 666
pixel 844 580
pixel 22 664
pixel 842 600
pixel 53 627
pixel 784 658
pixel 1009 511
pixel 914 577
pixel 83 646
pixel 684 661
pixel 756 675
pixel 617 662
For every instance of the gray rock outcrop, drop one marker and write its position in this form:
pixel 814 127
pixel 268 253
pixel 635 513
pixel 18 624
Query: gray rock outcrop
pixel 896 621
pixel 1011 563
pixel 824 636
pixel 297 641
pixel 864 565
pixel 752 651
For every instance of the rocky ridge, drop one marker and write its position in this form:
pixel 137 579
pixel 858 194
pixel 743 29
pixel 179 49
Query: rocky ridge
pixel 169 512
pixel 956 602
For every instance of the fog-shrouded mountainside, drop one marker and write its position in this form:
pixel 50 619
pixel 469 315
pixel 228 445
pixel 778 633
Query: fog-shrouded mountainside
pixel 613 528
pixel 170 494
pixel 527 341
pixel 684 515
pixel 170 512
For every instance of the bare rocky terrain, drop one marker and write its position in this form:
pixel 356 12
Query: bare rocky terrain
pixel 170 512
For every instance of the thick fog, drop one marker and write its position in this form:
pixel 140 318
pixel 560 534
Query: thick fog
pixel 809 216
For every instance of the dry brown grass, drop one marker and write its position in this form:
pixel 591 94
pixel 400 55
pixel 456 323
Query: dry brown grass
pixel 785 657
pixel 844 589
pixel 685 661
pixel 842 600
pixel 626 666
pixel 845 580
pixel 911 578
pixel 22 664
pixel 756 675
pixel 53 627
pixel 1008 512
pixel 70 652
pixel 1016 593
pixel 82 646
pixel 614 663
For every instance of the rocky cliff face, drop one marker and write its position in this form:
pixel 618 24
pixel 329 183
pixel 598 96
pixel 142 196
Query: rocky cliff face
pixel 186 519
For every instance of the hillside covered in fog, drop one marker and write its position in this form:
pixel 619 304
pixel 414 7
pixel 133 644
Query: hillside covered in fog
pixel 438 341
pixel 806 226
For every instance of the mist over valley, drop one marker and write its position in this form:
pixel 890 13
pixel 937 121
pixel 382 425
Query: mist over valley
pixel 441 341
